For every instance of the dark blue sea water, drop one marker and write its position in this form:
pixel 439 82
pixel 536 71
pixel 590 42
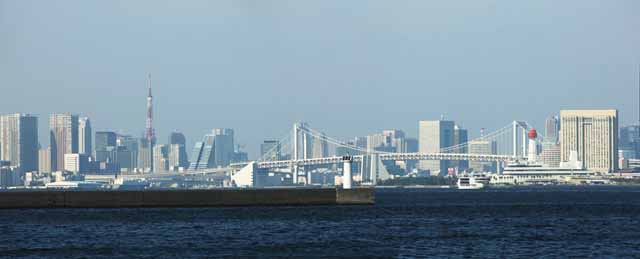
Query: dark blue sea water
pixel 577 222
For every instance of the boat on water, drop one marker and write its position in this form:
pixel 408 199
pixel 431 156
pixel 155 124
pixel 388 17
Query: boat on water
pixel 472 182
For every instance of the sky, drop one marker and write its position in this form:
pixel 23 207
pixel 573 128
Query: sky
pixel 348 68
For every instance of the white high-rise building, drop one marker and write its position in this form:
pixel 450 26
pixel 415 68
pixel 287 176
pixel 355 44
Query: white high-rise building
pixel 593 134
pixel 84 136
pixel 177 157
pixel 432 137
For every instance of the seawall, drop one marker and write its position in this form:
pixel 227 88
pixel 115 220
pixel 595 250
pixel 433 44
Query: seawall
pixel 184 198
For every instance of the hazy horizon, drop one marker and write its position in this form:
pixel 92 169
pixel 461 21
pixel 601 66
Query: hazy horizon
pixel 347 68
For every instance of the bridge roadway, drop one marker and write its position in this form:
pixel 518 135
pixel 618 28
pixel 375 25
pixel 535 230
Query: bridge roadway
pixel 385 156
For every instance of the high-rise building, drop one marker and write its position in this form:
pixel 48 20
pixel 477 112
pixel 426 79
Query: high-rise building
pixel 84 136
pixel 161 158
pixel 593 134
pixel 630 141
pixel 412 145
pixel 270 150
pixel 19 141
pixel 177 138
pixel 215 150
pixel 106 143
pixel 239 155
pixel 392 140
pixel 552 129
pixel 432 137
pixel 106 140
pixel 44 160
pixel 177 157
pixel 460 136
pixel 486 147
pixel 76 163
pixel 199 160
pixel 144 156
pixel 64 138
pixel 550 155
pixel 223 146
pixel 396 139
pixel 9 175
pixel 126 155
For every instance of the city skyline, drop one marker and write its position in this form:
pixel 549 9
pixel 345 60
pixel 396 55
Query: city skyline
pixel 219 77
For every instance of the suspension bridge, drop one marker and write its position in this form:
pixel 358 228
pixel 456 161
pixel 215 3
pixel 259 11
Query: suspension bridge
pixel 307 149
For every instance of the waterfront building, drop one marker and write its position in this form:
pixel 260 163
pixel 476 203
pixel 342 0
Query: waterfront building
pixel 432 137
pixel 84 136
pixel 551 129
pixel 63 138
pixel 550 155
pixel 270 150
pixel 44 160
pixel 19 141
pixel 9 175
pixel 593 134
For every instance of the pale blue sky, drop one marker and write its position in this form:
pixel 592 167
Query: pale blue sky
pixel 347 67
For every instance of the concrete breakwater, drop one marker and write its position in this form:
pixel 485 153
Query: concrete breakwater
pixel 183 198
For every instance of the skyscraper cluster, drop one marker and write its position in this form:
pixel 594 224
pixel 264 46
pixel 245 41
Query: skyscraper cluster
pixel 215 150
pixel 73 147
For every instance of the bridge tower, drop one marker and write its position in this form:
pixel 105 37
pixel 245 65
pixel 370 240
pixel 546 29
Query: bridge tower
pixel 520 129
pixel 300 144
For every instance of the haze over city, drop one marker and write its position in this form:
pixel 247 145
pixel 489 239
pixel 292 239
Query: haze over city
pixel 279 128
pixel 347 68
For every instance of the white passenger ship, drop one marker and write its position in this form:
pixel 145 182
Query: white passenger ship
pixel 533 172
pixel 472 182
